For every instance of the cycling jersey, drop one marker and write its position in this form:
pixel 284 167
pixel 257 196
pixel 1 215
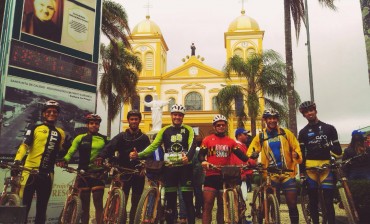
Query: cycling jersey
pixel 88 147
pixel 176 141
pixel 317 140
pixel 234 160
pixel 43 142
pixel 218 150
pixel 288 145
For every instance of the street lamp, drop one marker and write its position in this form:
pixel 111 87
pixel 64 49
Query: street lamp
pixel 308 44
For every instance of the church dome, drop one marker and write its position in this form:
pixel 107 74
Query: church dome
pixel 243 23
pixel 146 27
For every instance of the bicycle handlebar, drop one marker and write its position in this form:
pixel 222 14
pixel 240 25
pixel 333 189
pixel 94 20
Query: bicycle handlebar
pixel 12 166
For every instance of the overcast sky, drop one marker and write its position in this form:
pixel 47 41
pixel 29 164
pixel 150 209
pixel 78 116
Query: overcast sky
pixel 339 61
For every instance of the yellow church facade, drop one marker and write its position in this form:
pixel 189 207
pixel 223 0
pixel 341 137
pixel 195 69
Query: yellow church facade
pixel 193 84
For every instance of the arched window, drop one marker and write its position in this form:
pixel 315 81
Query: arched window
pixel 149 61
pixel 171 102
pixel 136 103
pixel 193 101
pixel 250 51
pixel 239 107
pixel 148 99
pixel 238 52
pixel 214 104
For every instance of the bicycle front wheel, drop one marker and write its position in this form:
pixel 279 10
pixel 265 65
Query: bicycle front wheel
pixel 273 209
pixel 230 208
pixel 257 207
pixel 147 208
pixel 114 207
pixel 305 204
pixel 11 200
pixel 348 205
pixel 72 211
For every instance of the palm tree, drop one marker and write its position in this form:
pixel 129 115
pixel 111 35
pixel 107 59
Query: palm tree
pixel 366 26
pixel 296 9
pixel 118 82
pixel 265 76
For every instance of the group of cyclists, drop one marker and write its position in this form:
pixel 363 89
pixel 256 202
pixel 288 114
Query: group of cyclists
pixel 275 145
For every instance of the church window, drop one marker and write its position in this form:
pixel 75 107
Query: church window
pixel 171 102
pixel 149 61
pixel 193 101
pixel 214 103
pixel 136 103
pixel 238 52
pixel 239 105
pixel 251 51
pixel 148 99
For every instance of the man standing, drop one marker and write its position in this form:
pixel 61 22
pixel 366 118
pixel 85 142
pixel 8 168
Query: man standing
pixel 318 140
pixel 89 145
pixel 241 136
pixel 125 142
pixel 216 148
pixel 179 147
pixel 43 143
pixel 278 146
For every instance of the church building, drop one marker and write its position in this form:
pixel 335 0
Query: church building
pixel 193 84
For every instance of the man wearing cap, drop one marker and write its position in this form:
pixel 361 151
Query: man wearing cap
pixel 241 138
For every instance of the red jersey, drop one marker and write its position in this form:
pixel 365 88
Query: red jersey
pixel 234 160
pixel 219 150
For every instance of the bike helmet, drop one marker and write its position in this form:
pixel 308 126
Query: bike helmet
pixel 92 117
pixel 133 113
pixel 51 103
pixel 178 108
pixel 219 117
pixel 306 105
pixel 270 112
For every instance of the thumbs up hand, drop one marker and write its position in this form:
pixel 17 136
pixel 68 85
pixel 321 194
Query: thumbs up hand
pixel 133 155
pixel 185 159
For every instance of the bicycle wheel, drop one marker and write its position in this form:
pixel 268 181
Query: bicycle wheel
pixel 257 207
pixel 230 211
pixel 305 204
pixel 114 207
pixel 11 200
pixel 72 211
pixel 147 208
pixel 273 209
pixel 242 207
pixel 348 205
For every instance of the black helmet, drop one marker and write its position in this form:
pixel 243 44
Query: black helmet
pixel 133 113
pixel 51 103
pixel 270 112
pixel 92 117
pixel 306 105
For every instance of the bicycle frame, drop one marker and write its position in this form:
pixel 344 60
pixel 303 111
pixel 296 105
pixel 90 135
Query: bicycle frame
pixel 265 189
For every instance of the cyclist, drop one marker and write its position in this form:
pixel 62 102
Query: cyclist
pixel 179 147
pixel 279 146
pixel 216 149
pixel 241 138
pixel 43 143
pixel 318 140
pixel 359 168
pixel 132 139
pixel 88 145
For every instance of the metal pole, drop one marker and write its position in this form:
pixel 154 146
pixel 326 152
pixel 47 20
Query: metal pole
pixel 309 52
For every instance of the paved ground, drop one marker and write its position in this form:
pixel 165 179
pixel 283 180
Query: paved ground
pixel 284 215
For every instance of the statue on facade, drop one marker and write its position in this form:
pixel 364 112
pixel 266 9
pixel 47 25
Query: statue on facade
pixel 157 109
pixel 192 47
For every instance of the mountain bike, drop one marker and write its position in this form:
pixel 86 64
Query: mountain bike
pixel 343 189
pixel 232 197
pixel 116 202
pixel 72 209
pixel 10 194
pixel 265 204
pixel 151 207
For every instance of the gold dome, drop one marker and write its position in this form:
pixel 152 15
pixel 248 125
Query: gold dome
pixel 146 27
pixel 243 23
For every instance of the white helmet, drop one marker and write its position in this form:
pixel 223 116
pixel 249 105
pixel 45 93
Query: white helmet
pixel 219 117
pixel 178 108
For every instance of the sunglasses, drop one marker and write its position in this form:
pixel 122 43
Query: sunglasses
pixel 220 125
pixel 51 111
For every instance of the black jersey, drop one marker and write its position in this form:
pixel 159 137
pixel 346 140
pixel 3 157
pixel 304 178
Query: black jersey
pixel 317 140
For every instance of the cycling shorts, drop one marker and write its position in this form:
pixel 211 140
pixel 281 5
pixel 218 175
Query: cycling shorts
pixel 213 183
pixel 178 176
pixel 327 178
pixel 284 182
